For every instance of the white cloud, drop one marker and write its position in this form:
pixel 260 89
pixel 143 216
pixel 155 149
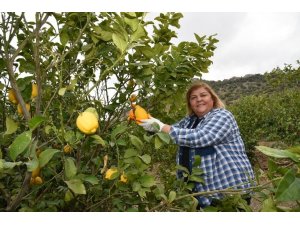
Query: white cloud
pixel 249 42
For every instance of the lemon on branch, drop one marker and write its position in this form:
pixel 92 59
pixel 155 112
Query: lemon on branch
pixel 19 108
pixel 111 173
pixel 87 122
pixel 138 113
pixel 92 110
pixel 36 172
pixel 38 180
pixel 67 149
pixel 123 178
pixel 34 91
pixel 12 96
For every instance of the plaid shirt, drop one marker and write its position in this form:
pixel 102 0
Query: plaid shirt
pixel 228 166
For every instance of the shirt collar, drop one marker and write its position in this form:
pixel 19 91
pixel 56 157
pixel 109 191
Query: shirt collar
pixel 194 116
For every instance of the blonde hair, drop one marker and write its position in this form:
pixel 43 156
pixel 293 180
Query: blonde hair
pixel 199 84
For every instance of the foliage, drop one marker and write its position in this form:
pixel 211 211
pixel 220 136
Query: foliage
pixel 282 194
pixel 269 117
pixel 82 60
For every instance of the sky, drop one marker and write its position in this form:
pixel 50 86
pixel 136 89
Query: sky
pixel 254 36
pixel 249 43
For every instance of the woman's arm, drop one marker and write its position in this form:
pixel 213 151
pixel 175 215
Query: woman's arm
pixel 215 129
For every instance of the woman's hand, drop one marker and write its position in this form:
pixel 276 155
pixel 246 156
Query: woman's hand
pixel 152 124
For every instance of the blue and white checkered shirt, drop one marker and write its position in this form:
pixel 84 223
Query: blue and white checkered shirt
pixel 228 166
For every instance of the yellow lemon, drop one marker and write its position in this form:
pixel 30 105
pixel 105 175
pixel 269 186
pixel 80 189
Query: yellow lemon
pixel 92 110
pixel 20 111
pixel 38 180
pixel 123 178
pixel 34 91
pixel 36 172
pixel 110 172
pixel 131 115
pixel 12 96
pixel 67 149
pixel 87 122
pixel 140 114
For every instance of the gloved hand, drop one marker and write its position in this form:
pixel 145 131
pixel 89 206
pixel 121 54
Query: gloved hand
pixel 152 124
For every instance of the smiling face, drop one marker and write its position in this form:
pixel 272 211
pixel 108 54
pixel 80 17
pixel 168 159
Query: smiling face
pixel 201 101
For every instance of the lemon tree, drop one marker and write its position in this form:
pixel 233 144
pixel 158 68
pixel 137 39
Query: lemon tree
pixel 62 64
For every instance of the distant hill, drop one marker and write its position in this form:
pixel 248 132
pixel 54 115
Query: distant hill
pixel 234 88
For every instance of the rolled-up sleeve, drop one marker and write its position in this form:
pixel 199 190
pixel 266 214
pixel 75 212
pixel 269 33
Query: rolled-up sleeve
pixel 212 131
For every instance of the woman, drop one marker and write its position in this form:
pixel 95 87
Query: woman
pixel 211 132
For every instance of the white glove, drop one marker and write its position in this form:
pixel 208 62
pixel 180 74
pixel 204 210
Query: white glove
pixel 152 124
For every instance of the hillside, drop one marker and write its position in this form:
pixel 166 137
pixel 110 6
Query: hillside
pixel 234 88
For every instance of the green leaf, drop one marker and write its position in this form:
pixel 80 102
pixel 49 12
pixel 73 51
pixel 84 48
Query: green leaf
pixel 35 122
pixel 118 130
pixel 147 181
pixel 136 186
pixel 62 91
pixel 98 140
pixel 142 192
pixel 146 158
pixel 68 196
pixel 164 137
pixel 136 142
pixel 46 156
pixel 25 83
pixel 86 47
pixel 103 34
pixel 130 153
pixel 147 138
pixel 32 164
pixel 11 126
pixel 64 37
pixel 196 179
pixel 133 23
pixel 8 165
pixel 76 186
pixel 19 145
pixel 157 142
pixel 288 188
pixel 197 161
pixel 121 142
pixel 172 196
pixel 179 167
pixel 72 84
pixel 1 164
pixel 70 168
pixel 277 153
pixel 91 179
pixel 269 205
pixel 119 42
pixel 140 32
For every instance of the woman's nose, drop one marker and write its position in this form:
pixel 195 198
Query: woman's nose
pixel 199 99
